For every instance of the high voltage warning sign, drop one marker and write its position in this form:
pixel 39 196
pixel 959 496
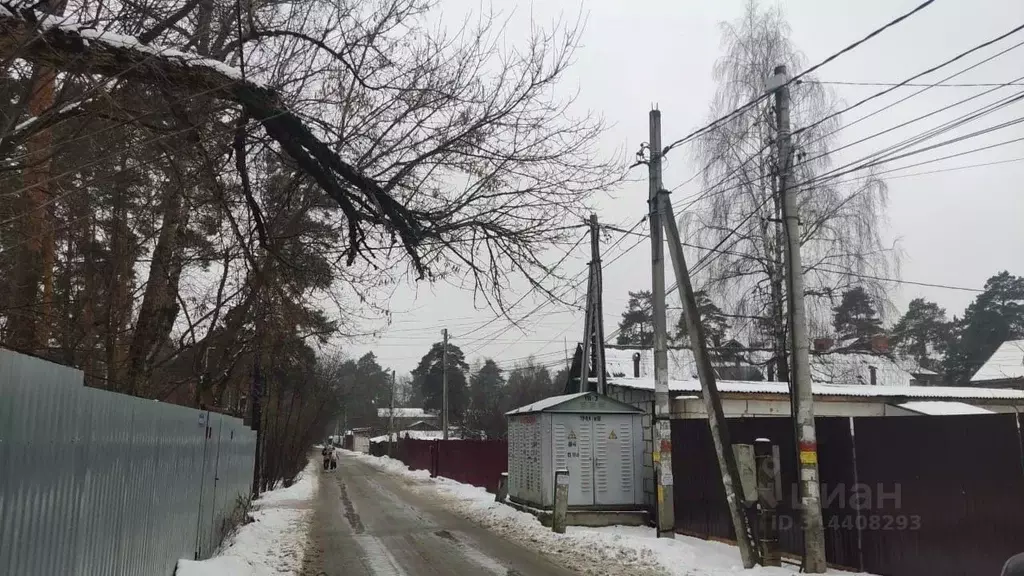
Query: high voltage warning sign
pixel 572 434
pixel 612 436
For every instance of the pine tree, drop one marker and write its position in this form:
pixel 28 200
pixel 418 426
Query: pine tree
pixel 856 319
pixel 637 325
pixel 428 378
pixel 923 334
pixel 995 316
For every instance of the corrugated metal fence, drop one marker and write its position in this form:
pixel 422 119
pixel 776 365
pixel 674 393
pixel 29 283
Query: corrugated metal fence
pixel 476 462
pixel 902 496
pixel 96 483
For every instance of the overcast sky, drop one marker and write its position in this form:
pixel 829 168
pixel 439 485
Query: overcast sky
pixel 955 228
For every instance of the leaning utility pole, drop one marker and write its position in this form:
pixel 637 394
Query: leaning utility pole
pixel 709 387
pixel 800 369
pixel 662 433
pixel 444 385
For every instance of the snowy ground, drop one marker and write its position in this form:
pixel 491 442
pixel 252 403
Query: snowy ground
pixel 271 545
pixel 624 545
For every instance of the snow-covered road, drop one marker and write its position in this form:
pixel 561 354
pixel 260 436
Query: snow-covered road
pixel 371 523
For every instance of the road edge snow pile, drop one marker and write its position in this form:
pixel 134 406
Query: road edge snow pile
pixel 274 543
pixel 630 546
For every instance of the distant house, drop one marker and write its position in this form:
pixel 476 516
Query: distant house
pixel 406 419
pixel 1004 369
pixel 828 366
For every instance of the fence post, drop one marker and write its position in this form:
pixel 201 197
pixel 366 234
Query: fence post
pixel 561 501
pixel 435 457
pixel 502 492
pixel 767 526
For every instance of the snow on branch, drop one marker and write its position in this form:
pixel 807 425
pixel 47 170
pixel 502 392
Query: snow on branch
pixel 80 49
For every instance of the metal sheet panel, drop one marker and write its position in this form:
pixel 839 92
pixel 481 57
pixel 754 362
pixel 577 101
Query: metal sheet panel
pixel 614 463
pixel 98 483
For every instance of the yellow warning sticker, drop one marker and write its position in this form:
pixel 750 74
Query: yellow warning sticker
pixel 612 436
pixel 572 434
pixel 808 457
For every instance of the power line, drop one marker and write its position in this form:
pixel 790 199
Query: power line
pixel 796 78
pixel 992 107
pixel 533 288
pixel 918 85
pixel 959 56
pixel 604 266
pixel 501 331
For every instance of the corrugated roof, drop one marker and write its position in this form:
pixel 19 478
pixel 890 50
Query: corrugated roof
pixel 851 368
pixel 404 413
pixel 943 408
pixel 412 435
pixel 546 403
pixel 934 392
pixel 1006 363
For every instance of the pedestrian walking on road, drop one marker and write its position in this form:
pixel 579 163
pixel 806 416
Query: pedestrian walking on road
pixel 334 458
pixel 326 454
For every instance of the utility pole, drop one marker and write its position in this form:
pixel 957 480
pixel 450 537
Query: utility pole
pixel 391 417
pixel 596 334
pixel 709 387
pixel 588 327
pixel 444 385
pixel 800 368
pixel 662 433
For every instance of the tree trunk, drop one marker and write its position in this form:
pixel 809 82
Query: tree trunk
pixel 32 282
pixel 159 304
pixel 118 283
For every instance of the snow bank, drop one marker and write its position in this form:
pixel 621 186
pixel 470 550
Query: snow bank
pixel 630 546
pixel 271 545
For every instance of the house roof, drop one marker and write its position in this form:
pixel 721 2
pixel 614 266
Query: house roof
pixel 580 401
pixel 404 413
pixel 1006 363
pixel 412 435
pixel 851 368
pixel 692 386
pixel 942 408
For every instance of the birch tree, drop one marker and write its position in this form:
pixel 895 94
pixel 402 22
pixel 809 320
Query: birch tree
pixel 841 222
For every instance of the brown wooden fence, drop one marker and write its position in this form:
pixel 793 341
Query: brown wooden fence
pixel 902 496
pixel 476 462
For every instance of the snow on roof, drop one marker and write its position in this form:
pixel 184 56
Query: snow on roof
pixel 404 413
pixel 546 403
pixel 412 435
pixel 935 392
pixel 855 369
pixel 851 368
pixel 619 361
pixel 943 408
pixel 1006 363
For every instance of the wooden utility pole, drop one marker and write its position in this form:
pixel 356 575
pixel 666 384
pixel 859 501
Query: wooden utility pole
pixel 444 385
pixel 596 311
pixel 800 367
pixel 662 433
pixel 709 387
